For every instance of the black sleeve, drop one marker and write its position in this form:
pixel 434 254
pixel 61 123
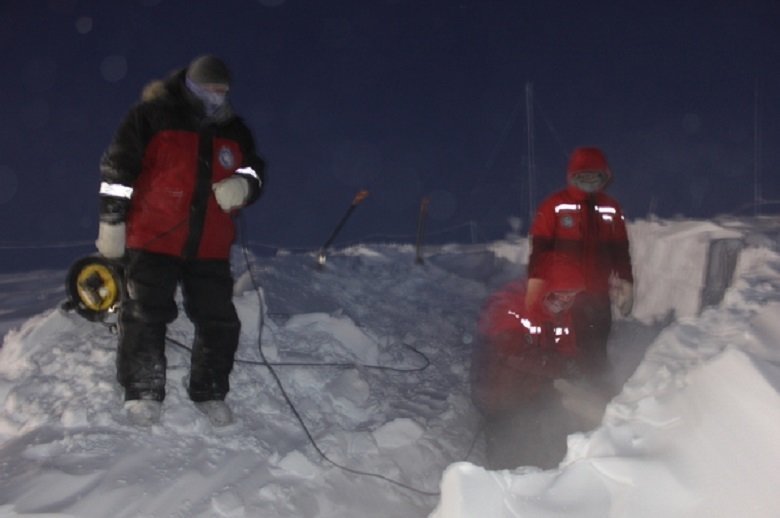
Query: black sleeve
pixel 256 186
pixel 120 166
pixel 256 163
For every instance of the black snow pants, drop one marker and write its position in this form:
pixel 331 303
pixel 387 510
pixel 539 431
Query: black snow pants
pixel 592 319
pixel 149 306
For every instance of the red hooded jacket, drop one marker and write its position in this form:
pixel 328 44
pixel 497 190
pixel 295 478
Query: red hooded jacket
pixel 588 228
pixel 158 172
pixel 520 350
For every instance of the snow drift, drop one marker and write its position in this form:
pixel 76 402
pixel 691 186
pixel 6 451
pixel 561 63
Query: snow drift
pixel 691 434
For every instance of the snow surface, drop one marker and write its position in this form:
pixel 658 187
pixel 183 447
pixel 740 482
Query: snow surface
pixel 691 434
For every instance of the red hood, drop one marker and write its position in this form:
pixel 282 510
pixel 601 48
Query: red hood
pixel 505 309
pixel 587 159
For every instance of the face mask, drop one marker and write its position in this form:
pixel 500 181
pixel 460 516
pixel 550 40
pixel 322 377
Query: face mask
pixel 589 181
pixel 212 99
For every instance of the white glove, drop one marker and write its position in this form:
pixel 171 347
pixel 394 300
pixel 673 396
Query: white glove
pixel 622 293
pixel 111 240
pixel 231 193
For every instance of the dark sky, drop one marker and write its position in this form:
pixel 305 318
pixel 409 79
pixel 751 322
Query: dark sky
pixel 406 98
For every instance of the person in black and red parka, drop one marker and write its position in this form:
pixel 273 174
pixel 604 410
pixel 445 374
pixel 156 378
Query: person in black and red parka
pixel 180 166
pixel 587 226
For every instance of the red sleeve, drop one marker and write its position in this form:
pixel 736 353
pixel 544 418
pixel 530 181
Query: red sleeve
pixel 503 310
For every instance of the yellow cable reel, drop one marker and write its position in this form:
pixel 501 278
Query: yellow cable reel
pixel 94 287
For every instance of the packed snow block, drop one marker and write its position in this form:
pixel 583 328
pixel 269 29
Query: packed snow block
pixel 468 490
pixel 672 264
pixel 335 334
pixel 721 262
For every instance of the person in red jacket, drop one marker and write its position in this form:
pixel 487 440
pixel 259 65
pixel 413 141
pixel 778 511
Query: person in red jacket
pixel 586 225
pixel 520 351
pixel 178 169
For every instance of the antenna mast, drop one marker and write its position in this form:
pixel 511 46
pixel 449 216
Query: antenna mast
pixel 529 110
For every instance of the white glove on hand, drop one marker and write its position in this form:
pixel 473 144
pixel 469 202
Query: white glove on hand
pixel 111 240
pixel 231 193
pixel 622 293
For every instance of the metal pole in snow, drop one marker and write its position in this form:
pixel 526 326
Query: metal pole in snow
pixel 357 200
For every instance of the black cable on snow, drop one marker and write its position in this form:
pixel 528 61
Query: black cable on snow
pixel 339 365
pixel 112 327
pixel 290 403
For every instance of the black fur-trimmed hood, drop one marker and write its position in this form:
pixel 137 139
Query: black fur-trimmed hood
pixel 172 89
pixel 172 86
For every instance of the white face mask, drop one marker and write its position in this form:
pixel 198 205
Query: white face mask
pixel 589 181
pixel 213 97
pixel 213 101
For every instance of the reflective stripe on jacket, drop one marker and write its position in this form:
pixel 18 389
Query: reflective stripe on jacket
pixel 587 228
pixel 157 175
